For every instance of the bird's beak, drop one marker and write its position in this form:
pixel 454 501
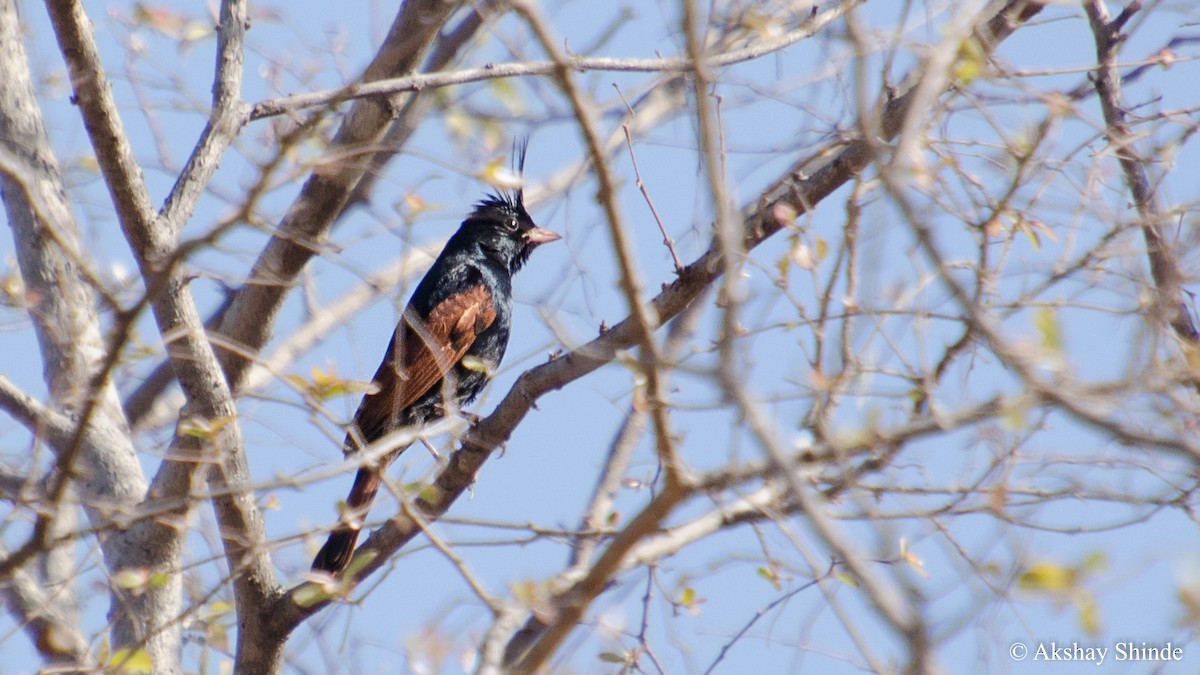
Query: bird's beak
pixel 540 235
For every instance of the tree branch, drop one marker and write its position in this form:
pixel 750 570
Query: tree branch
pixel 576 63
pixel 142 400
pixel 251 316
pixel 41 421
pixel 805 184
pixel 95 457
pixel 55 637
pixel 1164 267
pixel 154 243
pixel 226 119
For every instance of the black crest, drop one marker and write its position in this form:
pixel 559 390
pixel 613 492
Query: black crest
pixel 508 202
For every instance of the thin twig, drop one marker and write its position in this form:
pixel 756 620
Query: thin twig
pixel 758 615
pixel 430 81
pixel 637 174
pixel 473 581
pixel 802 186
pixel 1164 267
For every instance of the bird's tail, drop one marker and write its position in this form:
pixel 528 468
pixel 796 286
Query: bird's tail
pixel 335 555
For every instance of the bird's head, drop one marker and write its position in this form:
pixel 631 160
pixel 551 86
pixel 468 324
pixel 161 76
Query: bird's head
pixel 504 228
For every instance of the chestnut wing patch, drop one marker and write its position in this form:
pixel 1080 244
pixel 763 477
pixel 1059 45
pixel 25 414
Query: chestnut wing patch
pixel 427 350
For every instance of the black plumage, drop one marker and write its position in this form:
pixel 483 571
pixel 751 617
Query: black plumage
pixel 445 348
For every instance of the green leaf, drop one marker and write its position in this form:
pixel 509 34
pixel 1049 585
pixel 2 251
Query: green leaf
pixel 526 591
pixel 194 427
pixel 324 384
pixel 131 578
pixel 1046 322
pixel 126 660
pixel 311 595
pixel 1048 578
pixel 846 578
pixel 430 494
pixel 688 597
pixel 971 59
pixel 771 575
pixel 613 657
pixel 198 427
pixel 357 563
pixel 215 609
pixel 821 248
pixel 1089 612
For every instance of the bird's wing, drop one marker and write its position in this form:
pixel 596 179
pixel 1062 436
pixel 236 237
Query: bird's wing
pixel 422 351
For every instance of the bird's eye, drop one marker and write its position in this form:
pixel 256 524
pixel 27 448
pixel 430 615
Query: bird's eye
pixel 511 224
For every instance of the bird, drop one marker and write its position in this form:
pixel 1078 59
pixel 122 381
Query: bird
pixel 445 347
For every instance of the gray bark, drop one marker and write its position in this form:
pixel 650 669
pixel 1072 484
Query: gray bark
pixel 62 306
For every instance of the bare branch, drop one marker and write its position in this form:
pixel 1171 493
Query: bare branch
pixel 431 81
pixel 118 165
pixel 445 51
pixel 43 422
pixel 12 486
pixel 95 456
pixel 1164 267
pixel 154 242
pixel 803 186
pixel 858 387
pixel 55 637
pixel 537 641
pixel 252 313
pixel 225 121
pixel 662 101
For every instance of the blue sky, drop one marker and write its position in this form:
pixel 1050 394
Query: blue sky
pixel 772 109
